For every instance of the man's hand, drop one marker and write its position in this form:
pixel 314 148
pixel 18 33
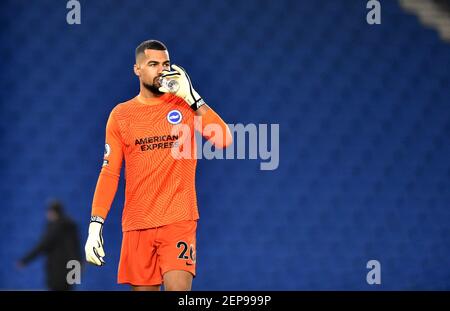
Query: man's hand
pixel 94 244
pixel 186 90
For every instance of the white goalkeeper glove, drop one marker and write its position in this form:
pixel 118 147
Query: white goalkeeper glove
pixel 185 91
pixel 94 244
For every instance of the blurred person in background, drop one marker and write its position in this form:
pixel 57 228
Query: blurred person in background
pixel 59 244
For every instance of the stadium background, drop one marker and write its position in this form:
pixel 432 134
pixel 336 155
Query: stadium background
pixel 364 137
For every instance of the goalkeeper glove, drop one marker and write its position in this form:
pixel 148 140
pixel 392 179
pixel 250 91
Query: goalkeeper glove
pixel 94 244
pixel 185 91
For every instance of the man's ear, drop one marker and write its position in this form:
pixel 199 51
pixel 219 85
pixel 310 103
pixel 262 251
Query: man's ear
pixel 137 70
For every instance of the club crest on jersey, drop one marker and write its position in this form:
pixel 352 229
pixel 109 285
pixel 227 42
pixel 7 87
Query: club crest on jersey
pixel 174 117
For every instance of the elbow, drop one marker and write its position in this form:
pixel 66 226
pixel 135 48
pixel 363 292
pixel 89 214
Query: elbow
pixel 110 173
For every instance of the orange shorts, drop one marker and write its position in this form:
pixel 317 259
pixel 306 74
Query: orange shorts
pixel 147 254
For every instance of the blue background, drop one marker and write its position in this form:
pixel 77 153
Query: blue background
pixel 364 137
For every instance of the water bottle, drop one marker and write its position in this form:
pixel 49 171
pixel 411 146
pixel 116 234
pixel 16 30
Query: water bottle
pixel 170 84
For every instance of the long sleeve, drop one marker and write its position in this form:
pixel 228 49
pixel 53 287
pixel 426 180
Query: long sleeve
pixel 45 244
pixel 108 180
pixel 213 128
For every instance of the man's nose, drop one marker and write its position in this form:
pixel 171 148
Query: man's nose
pixel 160 69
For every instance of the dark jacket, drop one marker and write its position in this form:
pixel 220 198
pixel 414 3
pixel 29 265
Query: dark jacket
pixel 60 244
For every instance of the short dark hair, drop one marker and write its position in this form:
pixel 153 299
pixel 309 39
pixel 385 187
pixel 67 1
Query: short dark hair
pixel 150 45
pixel 56 206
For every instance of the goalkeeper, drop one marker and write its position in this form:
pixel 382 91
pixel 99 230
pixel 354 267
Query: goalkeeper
pixel 160 214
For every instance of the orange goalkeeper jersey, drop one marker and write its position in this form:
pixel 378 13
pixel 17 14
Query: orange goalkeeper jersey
pixel 159 188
